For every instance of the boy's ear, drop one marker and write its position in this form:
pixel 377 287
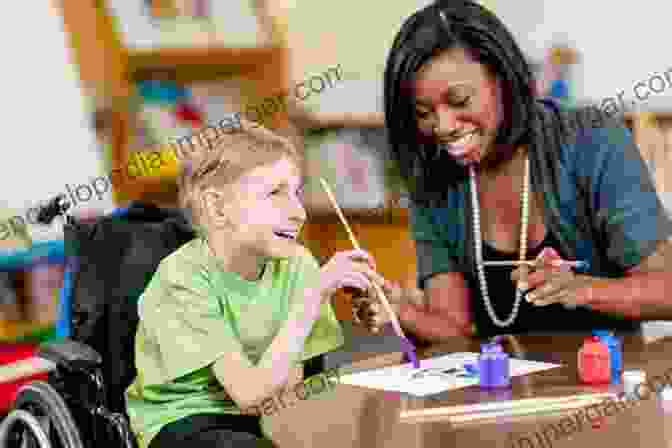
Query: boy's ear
pixel 217 209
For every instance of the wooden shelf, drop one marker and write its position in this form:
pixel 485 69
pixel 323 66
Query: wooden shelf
pixel 109 70
pixel 148 189
pixel 198 64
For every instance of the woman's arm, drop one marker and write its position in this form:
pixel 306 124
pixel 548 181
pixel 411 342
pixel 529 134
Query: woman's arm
pixel 642 294
pixel 447 297
pixel 446 312
pixel 633 228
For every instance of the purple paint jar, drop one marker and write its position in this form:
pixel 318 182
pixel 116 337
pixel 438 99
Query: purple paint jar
pixel 494 366
pixel 484 364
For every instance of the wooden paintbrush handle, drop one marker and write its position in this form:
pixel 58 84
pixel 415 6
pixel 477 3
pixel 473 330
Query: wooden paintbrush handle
pixel 353 240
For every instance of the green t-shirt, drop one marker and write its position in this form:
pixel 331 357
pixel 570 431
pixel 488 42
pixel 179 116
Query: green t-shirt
pixel 193 312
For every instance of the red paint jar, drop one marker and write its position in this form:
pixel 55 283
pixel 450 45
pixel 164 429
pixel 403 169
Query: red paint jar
pixel 594 362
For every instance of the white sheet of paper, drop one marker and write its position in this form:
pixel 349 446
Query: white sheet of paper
pixel 398 378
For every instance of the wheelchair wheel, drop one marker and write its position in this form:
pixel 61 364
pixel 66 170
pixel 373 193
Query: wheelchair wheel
pixel 21 429
pixel 42 401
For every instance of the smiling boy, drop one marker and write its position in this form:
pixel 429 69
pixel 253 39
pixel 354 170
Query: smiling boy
pixel 229 318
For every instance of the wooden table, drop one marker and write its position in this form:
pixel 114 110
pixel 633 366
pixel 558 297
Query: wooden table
pixel 350 416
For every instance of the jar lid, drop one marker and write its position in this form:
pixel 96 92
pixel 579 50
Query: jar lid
pixel 634 376
pixel 486 347
pixel 666 394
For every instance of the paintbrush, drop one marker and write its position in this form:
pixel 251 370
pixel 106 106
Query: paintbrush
pixel 535 263
pixel 408 347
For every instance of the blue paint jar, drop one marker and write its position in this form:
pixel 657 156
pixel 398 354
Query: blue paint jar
pixel 615 353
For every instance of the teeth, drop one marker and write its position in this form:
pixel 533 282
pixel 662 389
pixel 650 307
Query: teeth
pixel 464 140
pixel 458 147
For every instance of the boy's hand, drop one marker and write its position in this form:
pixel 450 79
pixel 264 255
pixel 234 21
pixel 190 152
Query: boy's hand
pixel 354 269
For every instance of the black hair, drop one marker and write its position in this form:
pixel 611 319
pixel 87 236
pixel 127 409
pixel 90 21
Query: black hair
pixel 445 25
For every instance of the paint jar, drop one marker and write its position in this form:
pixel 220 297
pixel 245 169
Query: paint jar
pixel 494 366
pixel 594 363
pixel 614 344
pixel 483 360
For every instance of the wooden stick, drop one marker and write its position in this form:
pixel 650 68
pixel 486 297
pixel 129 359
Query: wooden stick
pixel 508 408
pixel 353 240
pixel 544 408
pixel 332 199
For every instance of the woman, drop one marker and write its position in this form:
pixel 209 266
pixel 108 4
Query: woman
pixel 496 174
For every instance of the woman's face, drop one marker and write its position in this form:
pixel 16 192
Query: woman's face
pixel 458 105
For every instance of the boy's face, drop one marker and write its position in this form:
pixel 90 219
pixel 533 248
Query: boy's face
pixel 268 213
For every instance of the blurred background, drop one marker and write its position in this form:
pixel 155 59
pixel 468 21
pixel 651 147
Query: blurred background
pixel 94 87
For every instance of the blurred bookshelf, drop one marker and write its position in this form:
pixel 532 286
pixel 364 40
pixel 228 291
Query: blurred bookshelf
pixel 36 274
pixel 111 66
pixel 114 49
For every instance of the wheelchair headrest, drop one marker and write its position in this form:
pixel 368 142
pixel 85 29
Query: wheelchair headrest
pixel 78 233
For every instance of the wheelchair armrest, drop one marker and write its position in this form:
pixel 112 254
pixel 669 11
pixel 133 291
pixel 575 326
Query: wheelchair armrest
pixel 70 353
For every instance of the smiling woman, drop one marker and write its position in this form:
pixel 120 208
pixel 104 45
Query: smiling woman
pixel 500 174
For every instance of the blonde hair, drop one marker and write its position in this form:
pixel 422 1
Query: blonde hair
pixel 222 162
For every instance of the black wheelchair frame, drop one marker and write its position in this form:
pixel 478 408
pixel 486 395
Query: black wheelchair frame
pixel 81 405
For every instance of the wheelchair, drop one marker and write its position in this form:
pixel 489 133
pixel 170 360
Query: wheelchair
pixel 109 262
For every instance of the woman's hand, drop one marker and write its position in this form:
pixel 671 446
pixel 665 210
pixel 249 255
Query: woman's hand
pixel 399 296
pixel 369 312
pixel 350 269
pixel 548 284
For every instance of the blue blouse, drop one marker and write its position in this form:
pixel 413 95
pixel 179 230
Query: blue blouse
pixel 600 204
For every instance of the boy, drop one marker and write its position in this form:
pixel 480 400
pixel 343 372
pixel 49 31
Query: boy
pixel 228 318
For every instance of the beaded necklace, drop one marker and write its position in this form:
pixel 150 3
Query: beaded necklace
pixel 478 241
